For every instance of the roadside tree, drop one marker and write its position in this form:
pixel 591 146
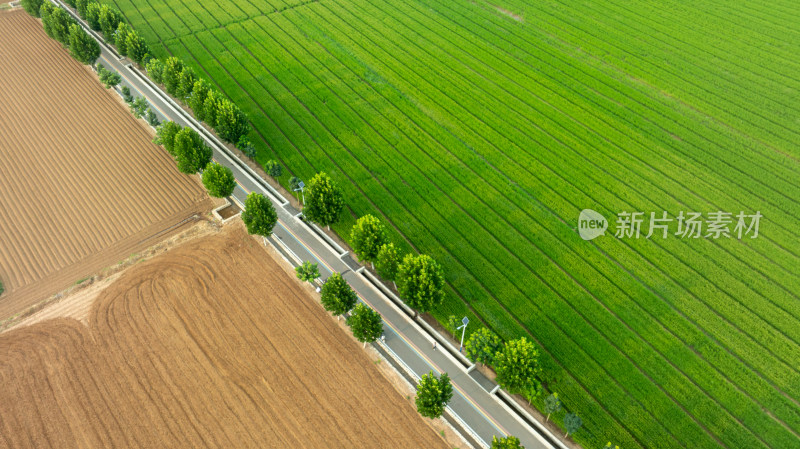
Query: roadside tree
pixel 247 147
pixel 482 346
pixel 230 122
pixel 552 404
pixel 93 15
pixel 152 118
pixel 324 200
pixel 517 366
pixel 45 11
pixel 420 282
pixel 387 261
pixel 126 95
pixel 509 442
pixel 211 107
pixel 259 215
pixel 186 82
pixel 191 152
pixel 136 47
pixel 121 38
pixel 307 271
pixel 108 77
pixel 572 423
pixel 155 70
pixel 218 180
pixel 172 74
pixel 452 324
pixel 109 21
pixel 197 100
pixel 433 394
pixel 139 107
pixel 60 21
pixel 165 135
pixel 80 6
pixel 366 324
pixel 273 168
pixel 367 237
pixel 32 7
pixel 82 46
pixel 337 295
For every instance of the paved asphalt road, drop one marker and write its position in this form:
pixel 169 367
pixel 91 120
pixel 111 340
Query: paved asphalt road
pixel 406 338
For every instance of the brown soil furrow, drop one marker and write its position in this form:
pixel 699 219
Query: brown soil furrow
pixel 210 344
pixel 83 185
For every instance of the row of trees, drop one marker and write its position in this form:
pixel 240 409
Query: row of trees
pixel 517 366
pixel 59 25
pixel 419 278
pixel 207 103
pixel 185 145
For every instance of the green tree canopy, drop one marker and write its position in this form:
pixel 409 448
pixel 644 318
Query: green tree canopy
pixel 324 200
pixel 509 442
pixel 121 38
pixel 337 296
pixel 45 10
pixel 60 21
pixel 186 82
pixel 80 6
pixel 452 324
pixel 93 15
pixel 249 150
pixel 126 94
pixel 517 366
pixel 109 21
pixel 107 77
pixel 218 180
pixel 191 152
pixel 152 118
pixel 420 282
pixel 197 100
pixel 307 271
pixel 572 423
pixel 387 261
pixel 367 237
pixel 433 394
pixel 366 324
pixel 230 122
pixel 155 70
pixel 273 168
pixel 552 404
pixel 139 107
pixel 136 47
pixel 172 74
pixel 211 107
pixel 482 346
pixel 82 46
pixel 165 135
pixel 32 7
pixel 259 215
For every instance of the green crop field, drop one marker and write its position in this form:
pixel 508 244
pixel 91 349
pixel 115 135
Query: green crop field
pixel 479 130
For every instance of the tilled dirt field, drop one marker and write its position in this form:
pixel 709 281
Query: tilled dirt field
pixel 210 344
pixel 82 185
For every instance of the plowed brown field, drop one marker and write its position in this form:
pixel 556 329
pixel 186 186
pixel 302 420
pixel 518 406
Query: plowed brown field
pixel 81 184
pixel 211 344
